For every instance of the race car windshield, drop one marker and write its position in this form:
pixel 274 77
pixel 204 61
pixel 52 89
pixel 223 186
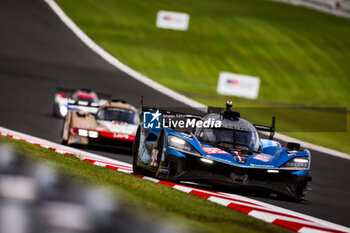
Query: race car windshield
pixel 87 100
pixel 118 114
pixel 231 139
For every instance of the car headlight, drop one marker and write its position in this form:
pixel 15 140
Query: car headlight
pixel 179 144
pixel 87 133
pixel 83 132
pixel 298 162
pixel 93 134
pixel 63 110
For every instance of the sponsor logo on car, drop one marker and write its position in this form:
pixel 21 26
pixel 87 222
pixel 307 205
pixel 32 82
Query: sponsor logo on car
pixel 214 151
pixel 262 158
pixel 259 165
pixel 154 158
pixel 77 139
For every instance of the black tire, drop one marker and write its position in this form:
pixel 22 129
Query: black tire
pixel 65 142
pixel 300 189
pixel 135 147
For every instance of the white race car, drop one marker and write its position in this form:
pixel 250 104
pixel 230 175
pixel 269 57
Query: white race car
pixel 114 124
pixel 84 100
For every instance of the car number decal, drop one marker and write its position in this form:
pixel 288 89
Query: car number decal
pixel 154 158
pixel 262 158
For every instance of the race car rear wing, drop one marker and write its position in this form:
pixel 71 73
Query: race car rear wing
pixel 270 129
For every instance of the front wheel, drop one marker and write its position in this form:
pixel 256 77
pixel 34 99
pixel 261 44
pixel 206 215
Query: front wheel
pixel 135 151
pixel 302 187
pixel 63 141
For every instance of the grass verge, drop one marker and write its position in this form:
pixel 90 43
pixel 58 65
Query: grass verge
pixel 159 202
pixel 300 55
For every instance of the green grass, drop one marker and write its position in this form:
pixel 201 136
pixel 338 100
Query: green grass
pixel 301 56
pixel 158 202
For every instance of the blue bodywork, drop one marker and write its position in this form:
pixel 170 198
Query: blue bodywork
pixel 272 166
pixel 272 155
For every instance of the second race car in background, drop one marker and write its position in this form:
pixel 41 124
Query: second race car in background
pixel 81 99
pixel 114 124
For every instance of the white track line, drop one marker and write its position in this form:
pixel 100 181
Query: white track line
pixel 116 63
pixel 311 146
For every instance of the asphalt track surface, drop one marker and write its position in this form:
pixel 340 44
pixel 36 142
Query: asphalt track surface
pixel 38 53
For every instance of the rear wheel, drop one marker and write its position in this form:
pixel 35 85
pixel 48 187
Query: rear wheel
pixel 64 142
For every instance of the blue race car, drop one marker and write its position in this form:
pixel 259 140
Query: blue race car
pixel 222 149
